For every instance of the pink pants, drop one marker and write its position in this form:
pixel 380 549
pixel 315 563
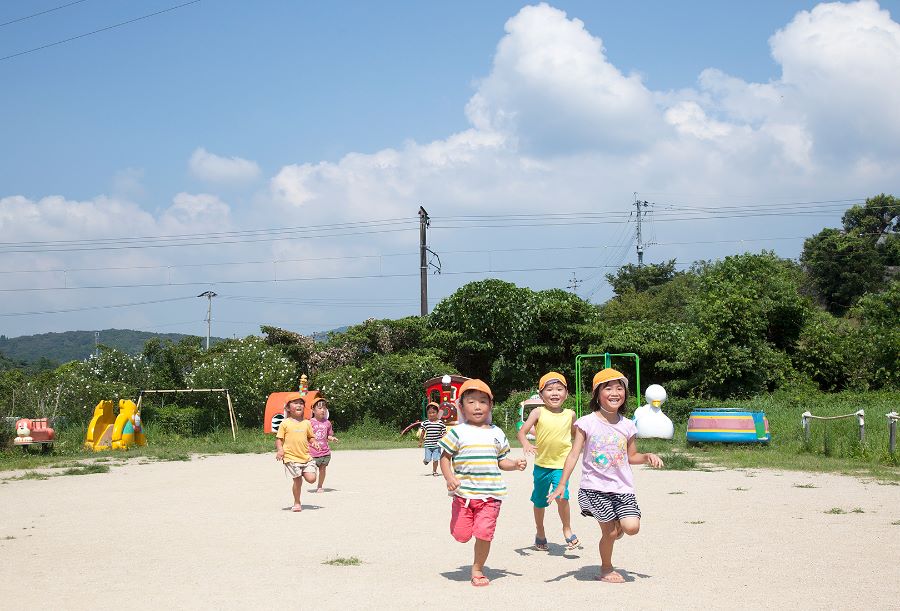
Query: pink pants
pixel 473 517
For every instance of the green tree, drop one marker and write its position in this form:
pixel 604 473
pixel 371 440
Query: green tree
pixel 171 363
pixel 879 318
pixel 637 278
pixel 749 315
pixel 842 265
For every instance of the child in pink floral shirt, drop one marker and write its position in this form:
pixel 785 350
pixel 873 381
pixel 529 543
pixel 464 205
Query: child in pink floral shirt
pixel 324 433
pixel 605 440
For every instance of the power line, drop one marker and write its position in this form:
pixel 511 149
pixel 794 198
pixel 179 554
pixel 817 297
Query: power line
pixel 109 27
pixel 50 10
pixel 98 307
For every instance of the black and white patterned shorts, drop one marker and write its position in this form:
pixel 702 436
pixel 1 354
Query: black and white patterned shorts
pixel 607 506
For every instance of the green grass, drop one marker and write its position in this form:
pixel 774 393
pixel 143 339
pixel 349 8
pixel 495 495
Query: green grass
pixel 739 489
pixel 678 462
pixel 857 510
pixel 805 486
pixel 86 470
pixel 836 511
pixel 351 561
pixel 30 475
pixel 696 522
pixel 677 492
pixel 895 523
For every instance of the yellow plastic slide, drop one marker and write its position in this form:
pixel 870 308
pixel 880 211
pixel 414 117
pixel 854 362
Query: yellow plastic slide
pixel 107 430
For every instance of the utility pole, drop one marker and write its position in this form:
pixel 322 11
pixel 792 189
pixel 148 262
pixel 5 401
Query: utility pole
pixel 638 204
pixel 573 283
pixel 96 343
pixel 209 295
pixel 423 261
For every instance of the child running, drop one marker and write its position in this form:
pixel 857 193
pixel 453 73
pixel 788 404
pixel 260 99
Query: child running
pixel 474 453
pixel 324 433
pixel 605 441
pixel 430 434
pixel 292 442
pixel 553 428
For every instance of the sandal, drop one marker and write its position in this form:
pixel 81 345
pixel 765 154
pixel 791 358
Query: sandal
pixel 572 541
pixel 540 544
pixel 297 507
pixel 480 581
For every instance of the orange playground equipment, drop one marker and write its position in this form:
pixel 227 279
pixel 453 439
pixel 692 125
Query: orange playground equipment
pixel 277 401
pixel 442 390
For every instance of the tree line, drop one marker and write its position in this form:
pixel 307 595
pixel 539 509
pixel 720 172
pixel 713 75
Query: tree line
pixel 735 327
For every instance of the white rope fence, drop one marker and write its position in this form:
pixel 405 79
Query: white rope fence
pixel 806 417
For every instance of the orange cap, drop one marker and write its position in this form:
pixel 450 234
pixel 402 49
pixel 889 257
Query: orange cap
pixel 608 375
pixel 476 384
pixel 553 376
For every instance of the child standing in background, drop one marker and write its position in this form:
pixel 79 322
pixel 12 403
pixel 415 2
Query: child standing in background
pixel 324 433
pixel 474 454
pixel 604 439
pixel 553 428
pixel 430 434
pixel 292 443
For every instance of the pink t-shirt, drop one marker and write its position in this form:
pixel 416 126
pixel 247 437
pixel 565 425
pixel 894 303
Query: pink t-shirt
pixel 322 430
pixel 604 462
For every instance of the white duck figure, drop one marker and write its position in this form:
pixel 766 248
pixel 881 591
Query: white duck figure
pixel 649 419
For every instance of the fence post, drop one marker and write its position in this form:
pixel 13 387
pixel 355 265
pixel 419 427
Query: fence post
pixel 862 425
pixel 892 428
pixel 804 419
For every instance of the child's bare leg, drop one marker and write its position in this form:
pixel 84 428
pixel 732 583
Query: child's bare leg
pixel 610 532
pixel 482 549
pixel 296 488
pixel 434 466
pixel 562 506
pixel 309 476
pixel 630 526
pixel 322 470
pixel 539 522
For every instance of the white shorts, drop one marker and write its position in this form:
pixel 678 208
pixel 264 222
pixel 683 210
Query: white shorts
pixel 297 469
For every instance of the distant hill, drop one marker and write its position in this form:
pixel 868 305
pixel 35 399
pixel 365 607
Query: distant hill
pixel 77 345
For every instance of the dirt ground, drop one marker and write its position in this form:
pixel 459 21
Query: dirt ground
pixel 215 532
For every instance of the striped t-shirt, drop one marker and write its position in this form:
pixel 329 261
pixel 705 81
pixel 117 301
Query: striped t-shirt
pixel 476 452
pixel 433 432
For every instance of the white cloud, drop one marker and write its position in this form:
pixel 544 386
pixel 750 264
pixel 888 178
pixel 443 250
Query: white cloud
pixel 222 170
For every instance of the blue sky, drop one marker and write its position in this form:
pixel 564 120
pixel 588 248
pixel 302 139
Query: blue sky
pixel 233 116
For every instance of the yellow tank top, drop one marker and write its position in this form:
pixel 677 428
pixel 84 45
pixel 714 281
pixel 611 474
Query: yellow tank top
pixel 553 438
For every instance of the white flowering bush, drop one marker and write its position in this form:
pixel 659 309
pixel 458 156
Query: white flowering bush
pixel 387 388
pixel 251 370
pixel 112 375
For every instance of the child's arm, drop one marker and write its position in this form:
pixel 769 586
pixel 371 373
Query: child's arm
pixel 331 436
pixel 508 464
pixel 637 458
pixel 447 471
pixel 279 449
pixel 532 419
pixel 311 438
pixel 571 460
pixel 421 436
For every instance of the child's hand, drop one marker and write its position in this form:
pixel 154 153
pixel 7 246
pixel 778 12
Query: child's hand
pixel 528 447
pixel 654 461
pixel 557 493
pixel 279 455
pixel 452 483
pixel 334 440
pixel 315 444
pixel 521 464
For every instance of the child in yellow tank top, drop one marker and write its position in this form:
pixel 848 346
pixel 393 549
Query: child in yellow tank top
pixel 553 427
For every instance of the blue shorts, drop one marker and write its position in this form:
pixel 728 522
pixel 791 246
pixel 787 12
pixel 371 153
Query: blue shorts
pixel 545 481
pixel 433 454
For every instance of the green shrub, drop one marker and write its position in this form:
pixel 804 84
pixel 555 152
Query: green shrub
pixel 185 421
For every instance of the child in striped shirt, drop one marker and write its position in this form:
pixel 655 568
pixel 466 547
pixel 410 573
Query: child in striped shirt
pixel 430 434
pixel 474 453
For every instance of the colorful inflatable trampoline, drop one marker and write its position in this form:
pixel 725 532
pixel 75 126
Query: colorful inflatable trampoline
pixel 728 425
